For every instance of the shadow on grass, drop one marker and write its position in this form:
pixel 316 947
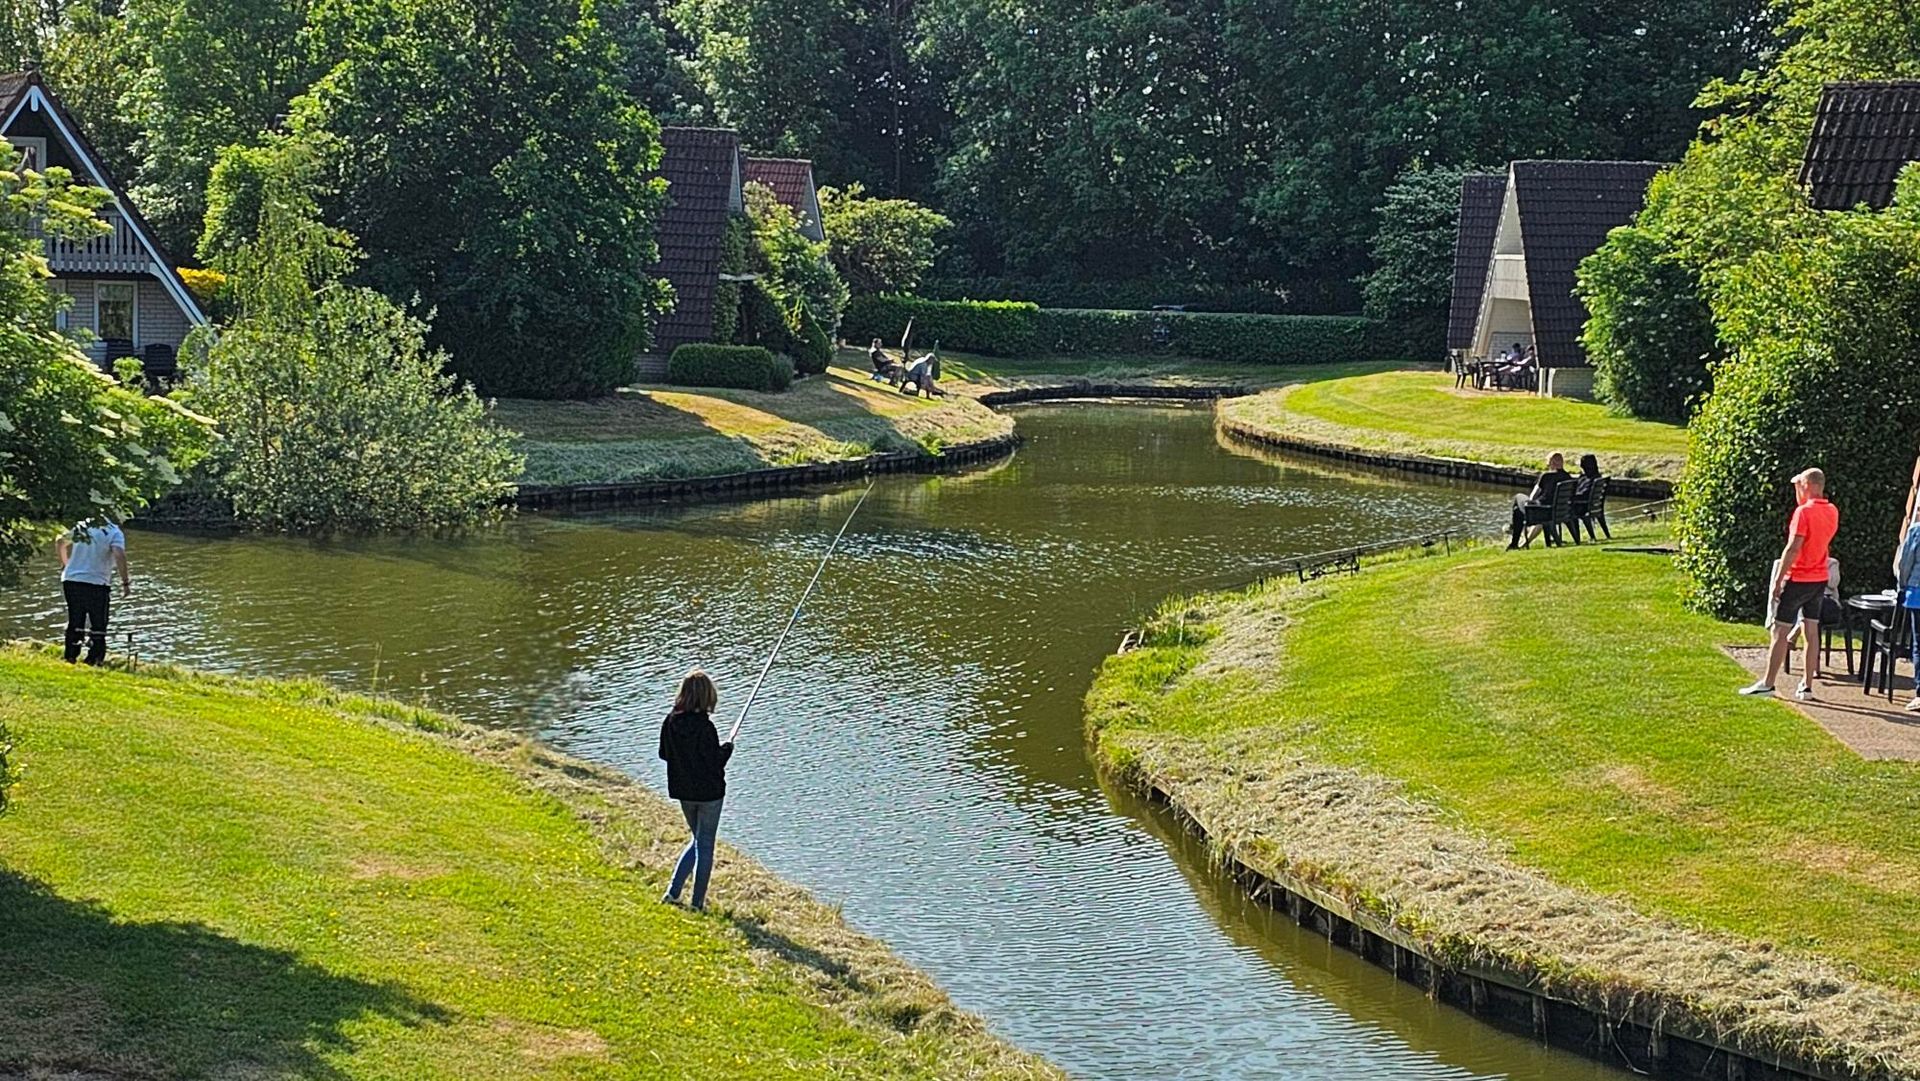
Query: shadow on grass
pixel 86 995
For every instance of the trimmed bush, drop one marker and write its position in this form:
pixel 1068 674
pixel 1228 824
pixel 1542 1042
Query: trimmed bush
pixel 742 367
pixel 812 349
pixel 1824 371
pixel 1016 328
pixel 1116 296
pixel 1649 331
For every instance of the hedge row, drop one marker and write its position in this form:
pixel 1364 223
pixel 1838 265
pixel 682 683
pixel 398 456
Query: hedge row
pixel 1120 295
pixel 744 367
pixel 1017 328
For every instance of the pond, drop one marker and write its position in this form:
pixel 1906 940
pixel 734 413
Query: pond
pixel 918 756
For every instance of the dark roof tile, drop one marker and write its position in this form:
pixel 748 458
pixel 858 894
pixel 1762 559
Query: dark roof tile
pixel 1567 208
pixel 701 166
pixel 1480 197
pixel 1863 135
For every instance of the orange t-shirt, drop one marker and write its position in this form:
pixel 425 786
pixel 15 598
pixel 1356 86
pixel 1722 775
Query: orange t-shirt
pixel 1817 520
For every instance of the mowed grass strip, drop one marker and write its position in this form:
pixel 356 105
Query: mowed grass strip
pixel 1420 412
pixel 1564 704
pixel 202 877
pixel 669 432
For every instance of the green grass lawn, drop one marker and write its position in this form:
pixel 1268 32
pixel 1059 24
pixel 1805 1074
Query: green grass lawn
pixel 664 432
pixel 208 878
pixel 1563 703
pixel 1420 412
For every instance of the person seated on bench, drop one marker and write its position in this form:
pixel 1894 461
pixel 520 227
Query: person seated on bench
pixel 924 374
pixel 1583 488
pixel 883 365
pixel 1541 496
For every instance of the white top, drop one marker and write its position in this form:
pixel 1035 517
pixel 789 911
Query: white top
pixel 92 558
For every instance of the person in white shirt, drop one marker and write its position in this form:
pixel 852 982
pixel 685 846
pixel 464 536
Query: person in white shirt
pixel 89 557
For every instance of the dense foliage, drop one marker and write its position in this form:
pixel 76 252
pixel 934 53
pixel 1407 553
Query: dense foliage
pixel 880 245
pixel 1411 283
pixel 795 272
pixel 1136 295
pixel 742 367
pixel 337 414
pixel 1649 333
pixel 74 444
pixel 1016 328
pixel 1825 371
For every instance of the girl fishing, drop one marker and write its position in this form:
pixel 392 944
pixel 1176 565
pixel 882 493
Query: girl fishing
pixel 697 777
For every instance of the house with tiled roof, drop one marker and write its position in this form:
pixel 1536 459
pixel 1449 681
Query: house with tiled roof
pixel 704 174
pixel 127 297
pixel 1553 214
pixel 1480 198
pixel 791 180
pixel 1864 133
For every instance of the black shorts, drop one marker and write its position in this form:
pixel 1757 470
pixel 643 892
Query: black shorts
pixel 1800 600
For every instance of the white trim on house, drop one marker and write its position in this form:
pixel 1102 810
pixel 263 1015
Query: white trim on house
pixel 37 99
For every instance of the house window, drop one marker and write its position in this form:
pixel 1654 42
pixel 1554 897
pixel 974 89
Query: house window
pixel 113 313
pixel 33 152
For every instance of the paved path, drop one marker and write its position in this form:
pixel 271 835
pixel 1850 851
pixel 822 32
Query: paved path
pixel 1873 727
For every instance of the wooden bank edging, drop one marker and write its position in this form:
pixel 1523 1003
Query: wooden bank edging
pixel 783 478
pixel 1644 1039
pixel 1458 468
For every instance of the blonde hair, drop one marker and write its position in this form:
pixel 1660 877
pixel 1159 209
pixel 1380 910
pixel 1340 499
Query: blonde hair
pixel 696 694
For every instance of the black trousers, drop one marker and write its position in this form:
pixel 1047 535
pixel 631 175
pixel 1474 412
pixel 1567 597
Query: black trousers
pixel 86 608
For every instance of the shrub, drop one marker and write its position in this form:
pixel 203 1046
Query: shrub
pixel 1015 328
pixel 1824 371
pixel 743 367
pixel 879 245
pixel 1648 332
pixel 762 322
pixel 1137 295
pixel 812 349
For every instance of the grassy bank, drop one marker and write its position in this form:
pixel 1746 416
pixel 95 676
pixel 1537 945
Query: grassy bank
pixel 1538 760
pixel 206 877
pixel 666 432
pixel 1420 412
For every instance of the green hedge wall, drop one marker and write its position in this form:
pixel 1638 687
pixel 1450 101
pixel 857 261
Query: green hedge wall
pixel 1120 295
pixel 1018 328
pixel 744 367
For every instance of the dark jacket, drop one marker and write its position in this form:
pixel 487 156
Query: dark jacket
pixel 696 759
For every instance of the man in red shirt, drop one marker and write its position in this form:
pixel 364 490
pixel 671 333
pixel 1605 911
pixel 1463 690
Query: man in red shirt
pixel 1801 580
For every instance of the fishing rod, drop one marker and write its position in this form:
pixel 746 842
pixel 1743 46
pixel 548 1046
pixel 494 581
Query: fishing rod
pixel 795 618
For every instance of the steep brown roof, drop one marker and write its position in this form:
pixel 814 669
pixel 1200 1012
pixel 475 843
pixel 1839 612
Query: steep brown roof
pixel 1566 210
pixel 701 166
pixel 1480 197
pixel 1863 135
pixel 12 86
pixel 792 182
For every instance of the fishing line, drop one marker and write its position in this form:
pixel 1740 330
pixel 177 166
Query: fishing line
pixel 795 618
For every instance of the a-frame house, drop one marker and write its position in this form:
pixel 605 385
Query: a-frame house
pixel 128 297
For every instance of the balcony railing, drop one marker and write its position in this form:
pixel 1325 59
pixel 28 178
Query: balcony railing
pixel 117 251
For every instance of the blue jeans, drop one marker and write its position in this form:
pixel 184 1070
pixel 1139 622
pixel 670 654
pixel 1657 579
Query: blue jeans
pixel 703 818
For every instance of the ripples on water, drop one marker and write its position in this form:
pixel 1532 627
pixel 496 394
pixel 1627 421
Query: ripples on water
pixel 919 756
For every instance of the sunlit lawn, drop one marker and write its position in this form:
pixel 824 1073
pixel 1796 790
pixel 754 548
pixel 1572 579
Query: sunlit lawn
pixel 200 880
pixel 1564 702
pixel 1421 412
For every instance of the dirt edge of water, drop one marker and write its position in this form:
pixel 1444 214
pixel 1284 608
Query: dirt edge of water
pixel 1386 874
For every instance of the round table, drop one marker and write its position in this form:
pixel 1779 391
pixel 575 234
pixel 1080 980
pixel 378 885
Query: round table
pixel 1866 607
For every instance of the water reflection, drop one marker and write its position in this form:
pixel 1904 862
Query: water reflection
pixel 919 757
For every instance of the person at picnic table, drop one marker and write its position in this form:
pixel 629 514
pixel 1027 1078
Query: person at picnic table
pixel 1540 496
pixel 1800 584
pixel 1906 575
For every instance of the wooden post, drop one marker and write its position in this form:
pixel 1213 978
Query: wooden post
pixel 1476 993
pixel 1539 1018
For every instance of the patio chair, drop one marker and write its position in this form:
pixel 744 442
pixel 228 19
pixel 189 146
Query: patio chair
pixel 1551 516
pixel 1595 513
pixel 159 363
pixel 1890 641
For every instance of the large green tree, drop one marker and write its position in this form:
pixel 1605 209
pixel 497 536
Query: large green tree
pixel 498 170
pixel 1411 282
pixel 880 245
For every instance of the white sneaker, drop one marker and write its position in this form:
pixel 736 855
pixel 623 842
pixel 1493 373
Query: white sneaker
pixel 1914 706
pixel 1758 689
pixel 1804 692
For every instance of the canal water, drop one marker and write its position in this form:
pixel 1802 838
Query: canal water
pixel 919 757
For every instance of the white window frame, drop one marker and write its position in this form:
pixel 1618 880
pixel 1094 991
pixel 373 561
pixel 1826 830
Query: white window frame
pixel 60 316
pixel 35 148
pixel 133 292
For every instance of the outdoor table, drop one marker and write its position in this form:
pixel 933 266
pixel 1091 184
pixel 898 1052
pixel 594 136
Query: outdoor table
pixel 1865 607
